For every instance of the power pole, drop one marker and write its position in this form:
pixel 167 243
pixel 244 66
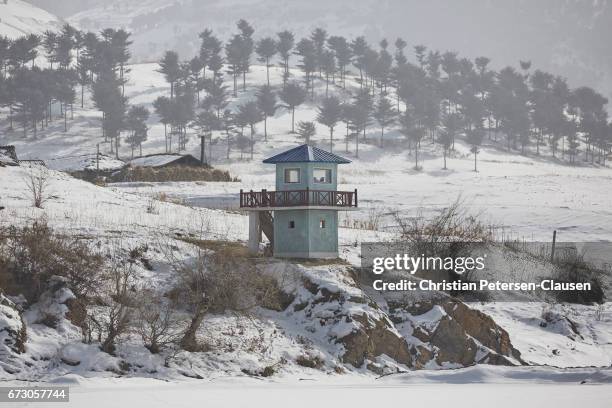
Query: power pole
pixel 98 160
pixel 202 149
pixel 552 251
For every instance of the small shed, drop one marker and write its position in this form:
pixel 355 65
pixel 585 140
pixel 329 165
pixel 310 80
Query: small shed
pixel 158 161
pixel 8 156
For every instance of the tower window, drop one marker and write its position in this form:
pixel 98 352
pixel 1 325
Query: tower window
pixel 321 176
pixel 322 224
pixel 292 176
pixel 291 224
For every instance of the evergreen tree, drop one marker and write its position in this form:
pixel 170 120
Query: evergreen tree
pixel 251 115
pixel 385 115
pixel 318 38
pixel 306 130
pixel 50 46
pixel 293 95
pixel 328 65
pixel 342 53
pixel 169 66
pixel 285 46
pixel 266 102
pixel 196 65
pixel 308 63
pixel 136 124
pixel 451 125
pixel 246 48
pixel 163 109
pixel 329 114
pixel 266 49
pixel 474 138
pixel 233 56
pixel 218 95
pixel 107 97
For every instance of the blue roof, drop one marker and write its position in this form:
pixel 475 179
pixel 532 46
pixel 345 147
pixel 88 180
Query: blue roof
pixel 306 154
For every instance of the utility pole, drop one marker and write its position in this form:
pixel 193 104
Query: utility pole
pixel 98 160
pixel 202 149
pixel 552 252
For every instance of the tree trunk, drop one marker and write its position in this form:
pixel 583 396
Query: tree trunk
pixel 444 158
pixel 331 139
pixel 266 128
pixel 292 119
pixel 252 141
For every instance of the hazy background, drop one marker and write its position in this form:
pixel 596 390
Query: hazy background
pixel 572 38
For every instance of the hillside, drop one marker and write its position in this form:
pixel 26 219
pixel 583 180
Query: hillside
pixel 569 38
pixel 18 18
pixel 524 195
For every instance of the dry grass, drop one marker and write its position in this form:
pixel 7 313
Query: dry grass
pixel 173 173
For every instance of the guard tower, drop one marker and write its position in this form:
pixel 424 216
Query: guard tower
pixel 300 218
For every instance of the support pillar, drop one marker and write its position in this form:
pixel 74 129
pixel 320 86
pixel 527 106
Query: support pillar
pixel 254 231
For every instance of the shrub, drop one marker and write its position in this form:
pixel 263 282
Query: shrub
pixel 32 255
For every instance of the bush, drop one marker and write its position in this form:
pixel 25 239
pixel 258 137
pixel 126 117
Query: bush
pixel 32 255
pixel 574 269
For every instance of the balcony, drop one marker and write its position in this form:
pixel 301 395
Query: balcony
pixel 298 198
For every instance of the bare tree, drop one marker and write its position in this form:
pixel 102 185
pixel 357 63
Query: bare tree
pixel 156 322
pixel 37 182
pixel 117 315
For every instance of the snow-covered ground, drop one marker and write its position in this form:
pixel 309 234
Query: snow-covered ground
pixel 479 386
pixel 19 18
pixel 526 196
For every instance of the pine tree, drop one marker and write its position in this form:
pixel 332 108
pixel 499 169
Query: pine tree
pixel 474 138
pixel 293 95
pixel 162 110
pixel 218 95
pixel 328 65
pixel 342 53
pixel 266 49
pixel 246 48
pixel 308 64
pixel 136 124
pixel 266 102
pixel 329 114
pixel 385 115
pixel 451 125
pixel 169 66
pixel 233 56
pixel 251 115
pixel 306 130
pixel 285 46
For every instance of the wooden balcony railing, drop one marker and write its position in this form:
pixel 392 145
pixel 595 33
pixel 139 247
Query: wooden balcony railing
pixel 297 198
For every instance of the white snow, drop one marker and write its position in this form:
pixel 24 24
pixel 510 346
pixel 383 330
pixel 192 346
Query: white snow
pixel 18 18
pixel 473 387
pixel 156 160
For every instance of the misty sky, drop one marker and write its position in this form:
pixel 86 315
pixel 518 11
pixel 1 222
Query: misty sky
pixel 571 38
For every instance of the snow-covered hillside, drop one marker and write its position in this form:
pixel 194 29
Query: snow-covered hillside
pixel 526 196
pixel 568 38
pixel 18 18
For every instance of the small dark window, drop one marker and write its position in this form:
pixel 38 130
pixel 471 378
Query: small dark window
pixel 291 224
pixel 322 224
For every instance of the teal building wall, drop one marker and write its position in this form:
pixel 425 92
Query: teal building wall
pixel 306 176
pixel 307 239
